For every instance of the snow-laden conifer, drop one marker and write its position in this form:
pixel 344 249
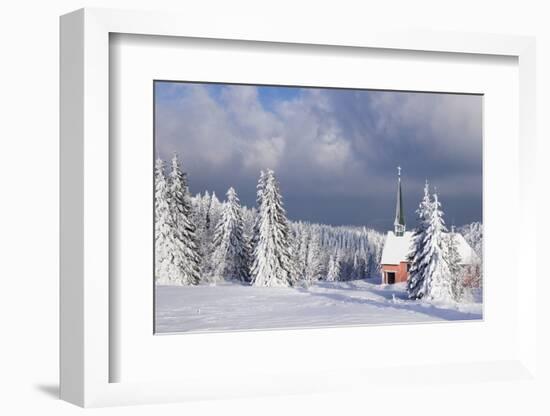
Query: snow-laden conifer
pixel 415 283
pixel 214 212
pixel 296 251
pixel 314 262
pixel 260 187
pixel 230 256
pixel 272 261
pixel 302 237
pixel 436 284
pixel 185 254
pixel 254 237
pixel 357 268
pixel 201 206
pixel 163 226
pixel 372 267
pixel 207 202
pixel 455 268
pixel 334 268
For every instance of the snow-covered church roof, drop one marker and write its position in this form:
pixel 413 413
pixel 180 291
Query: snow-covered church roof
pixel 396 248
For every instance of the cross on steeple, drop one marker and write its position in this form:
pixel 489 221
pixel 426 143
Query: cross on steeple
pixel 399 171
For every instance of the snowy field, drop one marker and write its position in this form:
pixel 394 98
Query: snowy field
pixel 231 306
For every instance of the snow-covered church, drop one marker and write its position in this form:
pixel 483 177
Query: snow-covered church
pixel 394 262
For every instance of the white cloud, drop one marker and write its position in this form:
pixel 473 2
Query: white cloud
pixel 264 153
pixel 322 141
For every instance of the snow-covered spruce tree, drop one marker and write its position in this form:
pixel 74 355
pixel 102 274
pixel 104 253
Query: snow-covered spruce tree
pixel 296 269
pixel 185 254
pixel 213 209
pixel 206 202
pixel 198 219
pixel 301 250
pixel 415 283
pixel 314 263
pixel 163 226
pixel 330 267
pixel 357 268
pixel 437 277
pixel 249 218
pixel 370 267
pixel 214 212
pixel 254 237
pixel 272 262
pixel 230 256
pixel 455 269
pixel 334 268
pixel 203 232
pixel 293 257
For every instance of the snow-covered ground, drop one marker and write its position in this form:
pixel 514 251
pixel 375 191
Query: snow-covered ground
pixel 232 306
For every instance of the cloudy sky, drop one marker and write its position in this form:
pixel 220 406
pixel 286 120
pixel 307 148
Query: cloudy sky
pixel 334 151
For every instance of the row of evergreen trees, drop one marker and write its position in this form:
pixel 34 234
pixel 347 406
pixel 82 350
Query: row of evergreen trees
pixel 176 252
pixel 200 239
pixel 436 272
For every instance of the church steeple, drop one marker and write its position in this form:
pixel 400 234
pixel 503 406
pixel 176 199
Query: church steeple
pixel 399 223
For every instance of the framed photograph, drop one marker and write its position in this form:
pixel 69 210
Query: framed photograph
pixel 316 224
pixel 236 209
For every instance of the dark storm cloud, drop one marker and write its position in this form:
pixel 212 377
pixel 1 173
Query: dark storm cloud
pixel 335 152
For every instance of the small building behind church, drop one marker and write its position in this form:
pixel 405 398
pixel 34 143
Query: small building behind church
pixel 394 262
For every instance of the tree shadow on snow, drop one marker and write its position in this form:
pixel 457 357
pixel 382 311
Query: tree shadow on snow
pixel 386 291
pixel 401 303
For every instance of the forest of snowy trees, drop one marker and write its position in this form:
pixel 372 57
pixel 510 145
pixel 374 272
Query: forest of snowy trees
pixel 200 239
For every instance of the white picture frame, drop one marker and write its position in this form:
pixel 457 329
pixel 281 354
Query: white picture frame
pixel 87 334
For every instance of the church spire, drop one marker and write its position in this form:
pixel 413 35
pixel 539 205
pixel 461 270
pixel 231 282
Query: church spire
pixel 399 223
